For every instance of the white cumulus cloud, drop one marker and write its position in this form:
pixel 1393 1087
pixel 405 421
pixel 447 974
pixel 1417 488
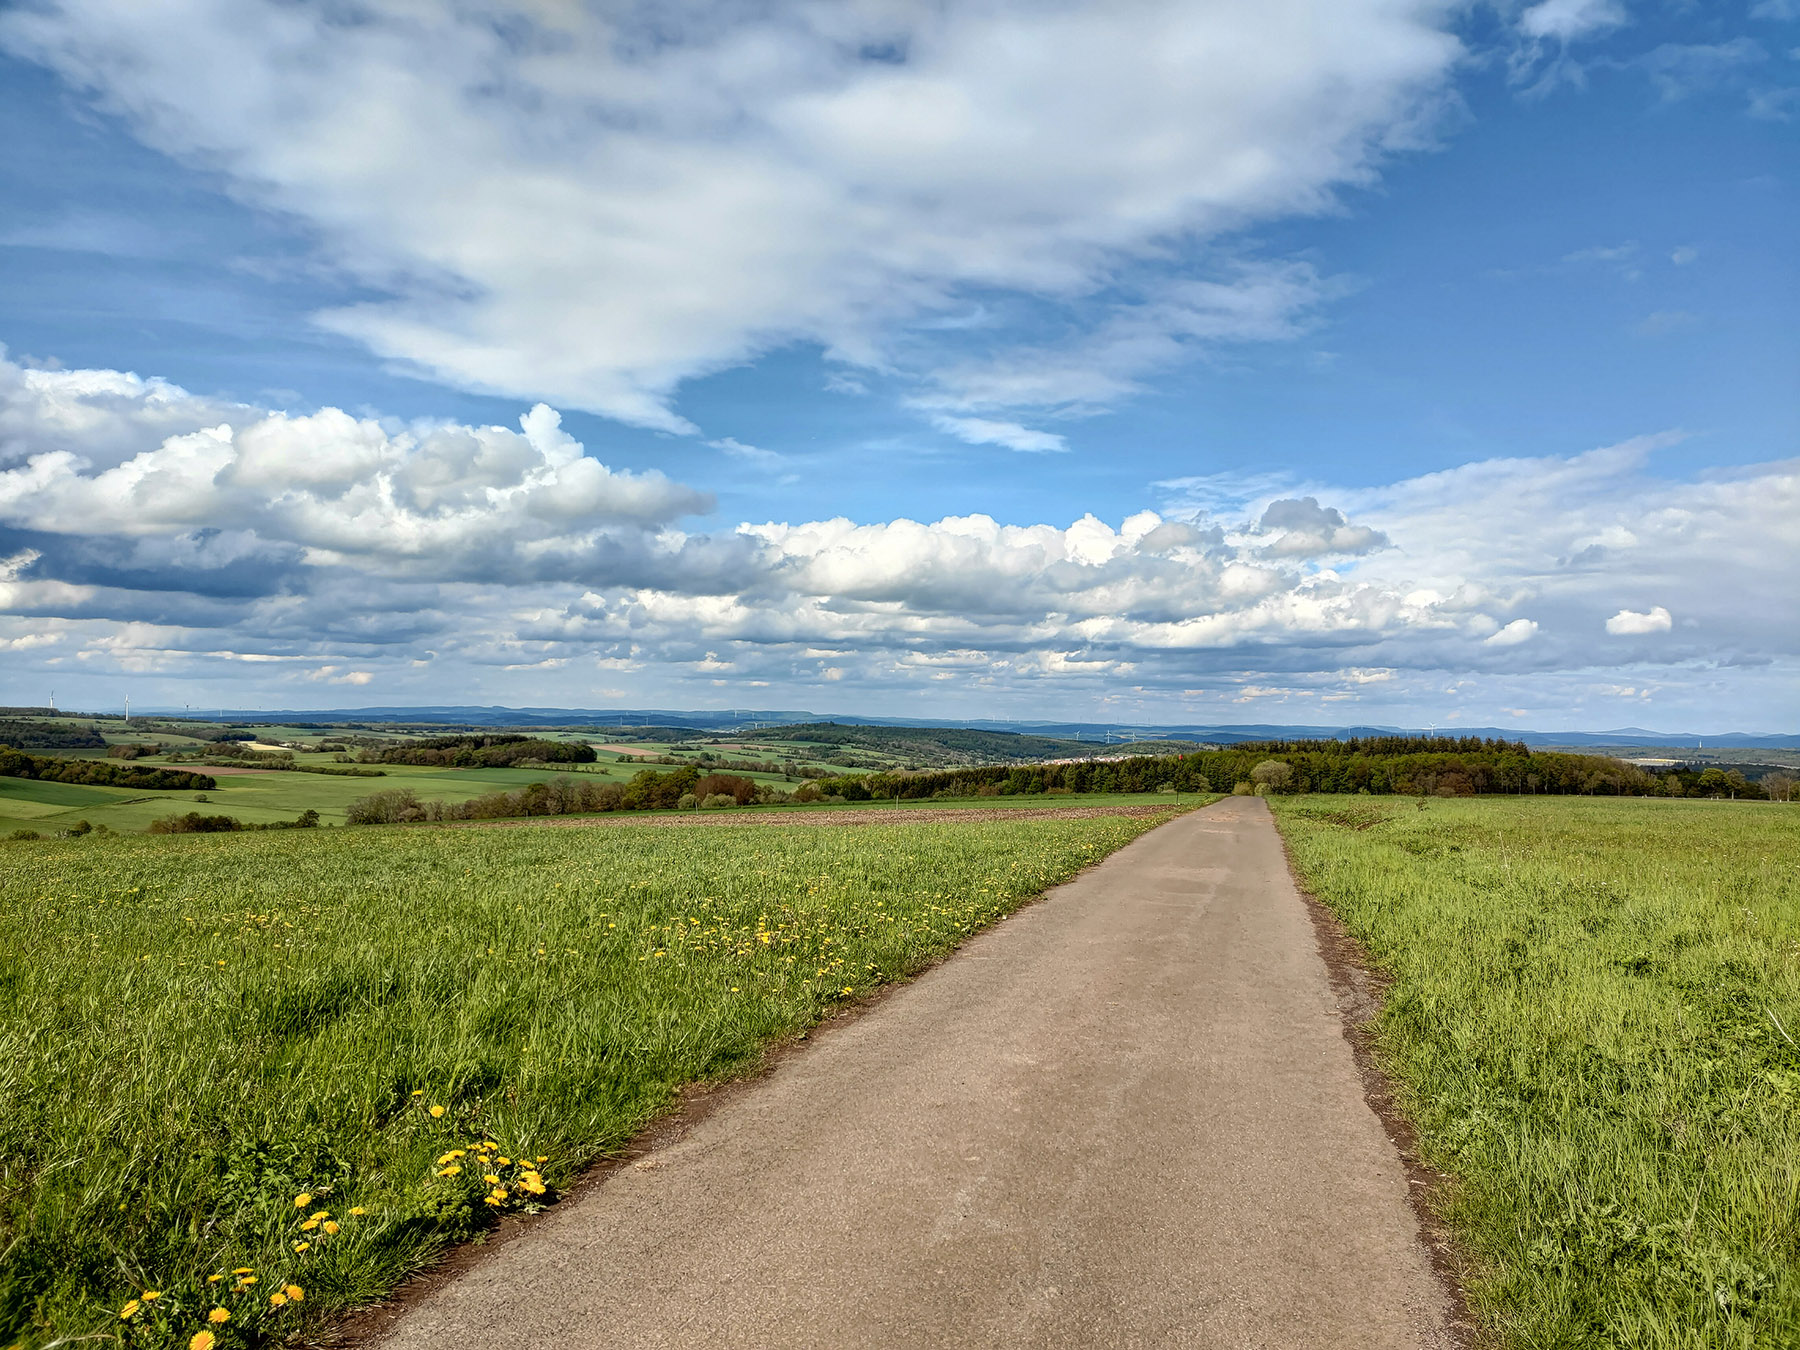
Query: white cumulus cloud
pixel 1519 630
pixel 1631 623
pixel 434 497
pixel 329 548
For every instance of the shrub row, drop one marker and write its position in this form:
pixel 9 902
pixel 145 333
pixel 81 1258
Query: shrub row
pixel 195 823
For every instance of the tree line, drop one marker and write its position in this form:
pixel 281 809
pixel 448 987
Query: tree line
pixel 99 772
pixel 193 822
pixel 648 790
pixel 49 735
pixel 484 751
pixel 1410 765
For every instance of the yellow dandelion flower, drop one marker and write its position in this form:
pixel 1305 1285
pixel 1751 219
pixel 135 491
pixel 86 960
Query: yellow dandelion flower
pixel 446 1160
pixel 418 1092
pixel 437 1113
pixel 489 1200
pixel 449 1171
pixel 331 1227
pixel 322 1214
pixel 214 1279
pixel 302 1200
pixel 244 1270
pixel 358 1211
pixel 151 1295
pixel 543 1160
pixel 302 1246
pixel 203 1340
pixel 130 1310
pixel 219 1316
pixel 294 1292
pixel 246 1282
pixel 309 1225
pixel 278 1300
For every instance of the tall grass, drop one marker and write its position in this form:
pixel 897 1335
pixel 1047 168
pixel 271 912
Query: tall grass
pixel 1592 1021
pixel 257 1058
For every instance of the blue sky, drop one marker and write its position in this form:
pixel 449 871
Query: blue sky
pixel 1503 295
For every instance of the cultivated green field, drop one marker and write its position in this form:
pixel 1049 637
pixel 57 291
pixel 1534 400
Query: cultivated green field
pixel 257 1057
pixel 1593 1023
pixel 263 796
pixel 255 798
pixel 260 797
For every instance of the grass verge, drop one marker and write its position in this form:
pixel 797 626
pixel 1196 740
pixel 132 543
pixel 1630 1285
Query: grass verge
pixel 1591 1023
pixel 236 1067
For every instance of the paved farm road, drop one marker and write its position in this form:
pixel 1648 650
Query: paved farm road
pixel 1126 1116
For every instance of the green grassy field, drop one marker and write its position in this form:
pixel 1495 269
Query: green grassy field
pixel 255 798
pixel 256 1057
pixel 1593 1023
pixel 798 753
pixel 26 798
pixel 262 798
pixel 259 798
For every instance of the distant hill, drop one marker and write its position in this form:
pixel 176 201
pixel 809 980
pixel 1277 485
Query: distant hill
pixel 929 745
pixel 743 719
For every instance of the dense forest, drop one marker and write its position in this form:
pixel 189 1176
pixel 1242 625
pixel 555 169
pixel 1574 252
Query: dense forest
pixel 480 751
pixel 99 773
pixel 30 735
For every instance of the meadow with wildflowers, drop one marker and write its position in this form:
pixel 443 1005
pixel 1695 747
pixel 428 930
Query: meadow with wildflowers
pixel 248 1080
pixel 1591 1021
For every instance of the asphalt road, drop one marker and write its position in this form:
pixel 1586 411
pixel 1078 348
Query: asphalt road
pixel 1125 1116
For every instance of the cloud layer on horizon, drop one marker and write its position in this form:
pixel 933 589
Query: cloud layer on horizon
pixel 143 529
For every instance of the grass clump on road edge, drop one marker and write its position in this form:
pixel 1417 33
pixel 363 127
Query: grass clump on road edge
pixel 247 1080
pixel 1591 1023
